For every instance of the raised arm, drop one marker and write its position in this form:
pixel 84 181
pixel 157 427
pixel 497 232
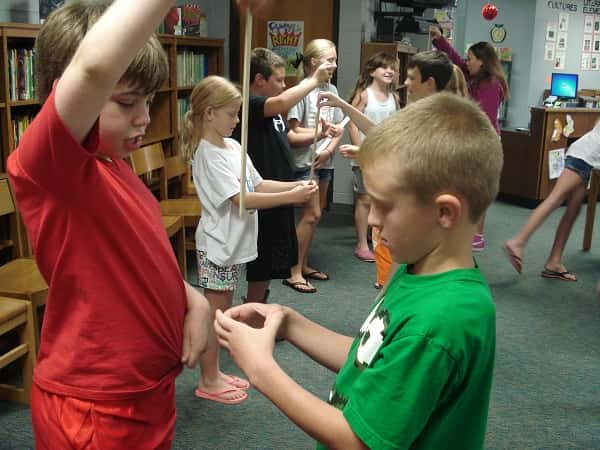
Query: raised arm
pixel 282 103
pixel 440 42
pixel 102 58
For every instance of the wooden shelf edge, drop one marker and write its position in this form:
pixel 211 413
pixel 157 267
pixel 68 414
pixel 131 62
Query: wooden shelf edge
pixel 23 102
pixel 159 138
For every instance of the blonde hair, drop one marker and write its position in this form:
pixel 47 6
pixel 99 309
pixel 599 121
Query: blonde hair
pixel 458 83
pixel 63 31
pixel 213 91
pixel 314 49
pixel 440 143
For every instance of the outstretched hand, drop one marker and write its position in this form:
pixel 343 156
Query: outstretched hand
pixel 330 99
pixel 349 151
pixel 435 32
pixel 248 333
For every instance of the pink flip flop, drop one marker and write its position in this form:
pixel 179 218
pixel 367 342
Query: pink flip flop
pixel 219 396
pixel 238 382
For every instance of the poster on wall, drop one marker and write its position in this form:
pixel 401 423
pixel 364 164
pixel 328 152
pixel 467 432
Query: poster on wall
pixel 556 162
pixel 594 62
pixel 561 41
pixel 587 43
pixel 551 31
pixel 596 24
pixel 588 24
pixel 559 60
pixel 563 22
pixel 286 38
pixel 549 51
pixel 586 61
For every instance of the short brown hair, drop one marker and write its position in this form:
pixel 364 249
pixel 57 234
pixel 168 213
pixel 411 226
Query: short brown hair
pixel 432 64
pixel 264 61
pixel 64 30
pixel 440 143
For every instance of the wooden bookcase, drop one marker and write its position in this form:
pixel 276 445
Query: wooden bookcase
pixel 164 126
pixel 164 112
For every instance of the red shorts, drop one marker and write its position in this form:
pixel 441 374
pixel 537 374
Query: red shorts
pixel 144 422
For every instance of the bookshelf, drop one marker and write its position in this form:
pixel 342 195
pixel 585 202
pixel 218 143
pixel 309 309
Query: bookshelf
pixel 18 104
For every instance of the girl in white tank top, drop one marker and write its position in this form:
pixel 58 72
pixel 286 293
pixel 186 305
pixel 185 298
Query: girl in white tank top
pixel 374 95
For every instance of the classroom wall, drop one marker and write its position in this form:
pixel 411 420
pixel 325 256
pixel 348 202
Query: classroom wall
pixel 516 16
pixel 540 69
pixel 19 11
pixel 350 35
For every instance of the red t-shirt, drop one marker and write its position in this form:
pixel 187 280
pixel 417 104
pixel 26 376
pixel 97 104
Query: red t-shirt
pixel 113 325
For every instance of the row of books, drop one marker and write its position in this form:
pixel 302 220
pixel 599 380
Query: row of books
pixel 187 20
pixel 21 69
pixel 20 124
pixel 191 67
pixel 183 105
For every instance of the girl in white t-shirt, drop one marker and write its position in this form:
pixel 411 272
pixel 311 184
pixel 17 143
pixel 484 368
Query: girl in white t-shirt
pixel 583 155
pixel 374 95
pixel 224 239
pixel 302 122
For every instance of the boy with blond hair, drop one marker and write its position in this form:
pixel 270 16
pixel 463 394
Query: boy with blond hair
pixel 119 320
pixel 420 367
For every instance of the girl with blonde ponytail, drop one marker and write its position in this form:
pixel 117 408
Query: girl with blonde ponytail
pixel 224 240
pixel 302 120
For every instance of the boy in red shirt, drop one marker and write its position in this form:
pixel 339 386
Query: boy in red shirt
pixel 119 321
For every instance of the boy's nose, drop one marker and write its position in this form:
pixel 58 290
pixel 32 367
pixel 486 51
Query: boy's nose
pixel 143 117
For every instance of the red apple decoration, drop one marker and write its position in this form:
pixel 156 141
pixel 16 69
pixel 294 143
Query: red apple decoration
pixel 489 11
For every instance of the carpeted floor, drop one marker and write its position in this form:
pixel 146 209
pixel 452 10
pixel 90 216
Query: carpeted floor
pixel 546 391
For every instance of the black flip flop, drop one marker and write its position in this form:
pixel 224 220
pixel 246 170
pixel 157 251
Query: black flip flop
pixel 546 273
pixel 316 275
pixel 294 285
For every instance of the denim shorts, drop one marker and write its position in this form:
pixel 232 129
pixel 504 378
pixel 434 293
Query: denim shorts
pixel 579 166
pixel 320 174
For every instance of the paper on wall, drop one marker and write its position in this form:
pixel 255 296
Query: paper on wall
pixel 556 163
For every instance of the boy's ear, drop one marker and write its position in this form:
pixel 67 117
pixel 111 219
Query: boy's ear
pixel 259 79
pixel 431 84
pixel 450 210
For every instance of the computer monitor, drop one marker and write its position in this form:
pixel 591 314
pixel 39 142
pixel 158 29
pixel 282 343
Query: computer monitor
pixel 564 85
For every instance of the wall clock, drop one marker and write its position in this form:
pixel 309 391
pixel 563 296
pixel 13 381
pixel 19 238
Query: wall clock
pixel 498 33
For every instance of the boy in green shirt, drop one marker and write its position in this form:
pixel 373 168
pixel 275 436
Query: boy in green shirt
pixel 419 373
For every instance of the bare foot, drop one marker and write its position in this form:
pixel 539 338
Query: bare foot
pixel 514 251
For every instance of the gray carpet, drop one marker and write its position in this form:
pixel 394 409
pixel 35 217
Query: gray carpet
pixel 546 391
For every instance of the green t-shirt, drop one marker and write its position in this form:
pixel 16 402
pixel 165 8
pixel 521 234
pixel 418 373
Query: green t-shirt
pixel 419 373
